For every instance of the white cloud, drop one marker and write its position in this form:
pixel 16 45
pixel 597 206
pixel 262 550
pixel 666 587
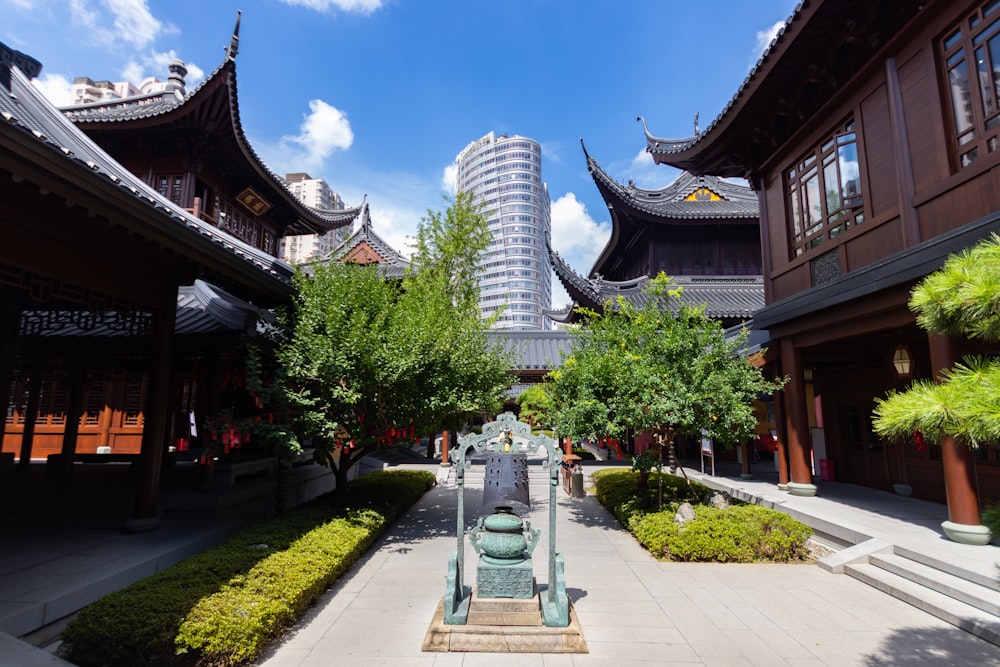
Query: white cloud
pixel 57 88
pixel 117 21
pixel 449 179
pixel 576 236
pixel 642 171
pixel 364 7
pixel 765 37
pixel 324 130
pixel 133 21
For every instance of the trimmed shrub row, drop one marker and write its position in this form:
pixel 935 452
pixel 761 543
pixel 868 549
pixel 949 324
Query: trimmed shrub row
pixel 222 606
pixel 740 533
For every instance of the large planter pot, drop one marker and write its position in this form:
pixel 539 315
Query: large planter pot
pixel 904 490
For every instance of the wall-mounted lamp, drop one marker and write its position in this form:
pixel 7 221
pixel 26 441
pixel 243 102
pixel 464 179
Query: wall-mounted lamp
pixel 902 362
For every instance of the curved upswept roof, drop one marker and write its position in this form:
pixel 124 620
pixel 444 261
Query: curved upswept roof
pixel 678 200
pixel 213 104
pixel 821 46
pixel 365 246
pixel 591 292
pixel 679 203
pixel 34 133
pixel 727 298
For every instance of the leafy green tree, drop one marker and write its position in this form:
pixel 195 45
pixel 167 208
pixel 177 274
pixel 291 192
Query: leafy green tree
pixel 961 299
pixel 662 367
pixel 368 362
pixel 535 405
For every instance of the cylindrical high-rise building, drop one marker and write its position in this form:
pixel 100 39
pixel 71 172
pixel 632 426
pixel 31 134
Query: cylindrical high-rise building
pixel 505 174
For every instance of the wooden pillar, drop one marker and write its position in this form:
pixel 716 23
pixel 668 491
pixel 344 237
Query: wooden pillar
pixel 781 427
pixel 567 445
pixel 10 322
pixel 74 411
pixel 155 418
pixel 444 448
pixel 956 458
pixel 797 422
pixel 30 417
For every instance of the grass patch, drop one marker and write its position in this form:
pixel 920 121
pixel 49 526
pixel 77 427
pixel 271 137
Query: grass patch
pixel 740 533
pixel 224 605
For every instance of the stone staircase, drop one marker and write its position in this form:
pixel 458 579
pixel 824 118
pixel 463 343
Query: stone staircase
pixel 965 599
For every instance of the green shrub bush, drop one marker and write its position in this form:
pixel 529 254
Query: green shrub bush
pixel 740 533
pixel 737 534
pixel 222 606
pixel 617 490
pixel 991 519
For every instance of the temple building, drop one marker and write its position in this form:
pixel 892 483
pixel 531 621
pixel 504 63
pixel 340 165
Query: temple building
pixel 701 231
pixel 869 132
pixel 216 176
pixel 127 334
pixel 366 247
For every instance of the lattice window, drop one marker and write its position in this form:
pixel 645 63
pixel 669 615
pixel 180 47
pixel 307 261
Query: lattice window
pixel 824 191
pixel 970 58
pixel 53 401
pixel 18 401
pixel 233 221
pixel 170 186
pixel 135 399
pixel 93 403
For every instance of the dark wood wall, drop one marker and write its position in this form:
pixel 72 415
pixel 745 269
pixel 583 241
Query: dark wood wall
pixel 943 197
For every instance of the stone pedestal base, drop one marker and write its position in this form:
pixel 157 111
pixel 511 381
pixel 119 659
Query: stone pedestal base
pixel 797 489
pixel 966 534
pixel 498 625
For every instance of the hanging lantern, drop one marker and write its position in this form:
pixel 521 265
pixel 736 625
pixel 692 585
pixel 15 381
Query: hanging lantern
pixel 902 362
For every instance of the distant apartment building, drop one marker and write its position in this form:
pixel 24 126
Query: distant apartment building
pixel 504 173
pixel 314 192
pixel 87 91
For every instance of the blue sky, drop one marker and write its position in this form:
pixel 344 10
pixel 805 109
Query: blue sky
pixel 378 97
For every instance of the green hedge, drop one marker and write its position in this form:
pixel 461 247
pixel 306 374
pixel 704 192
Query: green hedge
pixel 222 606
pixel 741 533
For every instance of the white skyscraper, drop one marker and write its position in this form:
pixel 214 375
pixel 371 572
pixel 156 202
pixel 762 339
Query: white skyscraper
pixel 313 192
pixel 505 174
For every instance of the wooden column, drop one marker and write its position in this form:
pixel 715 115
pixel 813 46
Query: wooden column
pixel 797 422
pixel 765 238
pixel 905 189
pixel 956 459
pixel 444 448
pixel 74 411
pixel 781 426
pixel 10 322
pixel 155 418
pixel 30 416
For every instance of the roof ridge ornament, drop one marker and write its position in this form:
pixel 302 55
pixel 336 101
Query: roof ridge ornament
pixel 234 41
pixel 9 57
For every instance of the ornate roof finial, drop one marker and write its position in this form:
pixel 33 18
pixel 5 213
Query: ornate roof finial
pixel 697 131
pixel 234 41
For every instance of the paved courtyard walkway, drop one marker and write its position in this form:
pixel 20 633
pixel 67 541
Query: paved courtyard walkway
pixel 633 609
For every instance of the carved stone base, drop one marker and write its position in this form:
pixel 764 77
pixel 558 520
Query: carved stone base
pixel 505 581
pixel 487 635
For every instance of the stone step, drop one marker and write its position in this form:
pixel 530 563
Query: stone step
pixel 949 609
pixel 969 592
pixel 990 581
